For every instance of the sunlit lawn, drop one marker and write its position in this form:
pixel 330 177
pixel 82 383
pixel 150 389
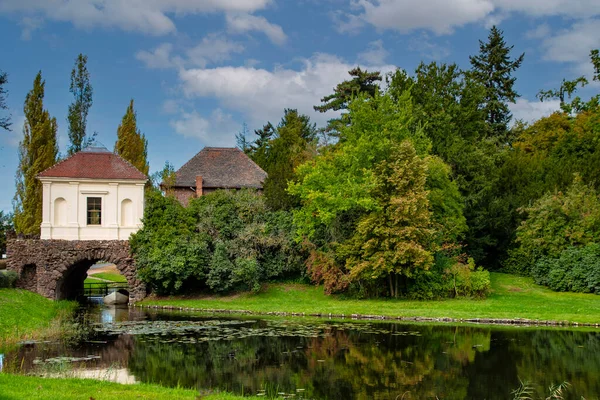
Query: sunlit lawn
pixel 15 387
pixel 511 297
pixel 26 315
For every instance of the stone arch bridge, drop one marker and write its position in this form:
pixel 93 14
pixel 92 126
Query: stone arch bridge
pixel 56 269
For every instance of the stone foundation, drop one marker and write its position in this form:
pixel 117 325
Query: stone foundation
pixel 57 268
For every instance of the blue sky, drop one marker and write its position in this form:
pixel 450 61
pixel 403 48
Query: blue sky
pixel 199 69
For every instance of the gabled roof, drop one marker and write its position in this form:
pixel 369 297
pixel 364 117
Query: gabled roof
pixel 93 163
pixel 221 167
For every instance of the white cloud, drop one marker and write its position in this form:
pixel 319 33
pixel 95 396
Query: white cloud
pixel 443 16
pixel 261 94
pixel 530 111
pixel 218 129
pixel 541 32
pixel 440 16
pixel 573 44
pixel 147 16
pixel 213 49
pixel 242 23
pixel 159 58
pixel 374 54
pixel 29 25
pixel 171 106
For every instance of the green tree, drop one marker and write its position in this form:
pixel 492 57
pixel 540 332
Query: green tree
pixel 448 108
pixel 80 107
pixel 37 151
pixel 4 121
pixel 5 226
pixel 259 149
pixel 131 143
pixel 396 239
pixel 165 179
pixel 493 67
pixel 362 82
pixel 293 145
pixel 568 88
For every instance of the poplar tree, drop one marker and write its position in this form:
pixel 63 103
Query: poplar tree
pixel 131 143
pixel 37 151
pixel 4 121
pixel 79 108
pixel 493 68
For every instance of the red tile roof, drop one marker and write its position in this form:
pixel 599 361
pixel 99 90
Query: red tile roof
pixel 94 163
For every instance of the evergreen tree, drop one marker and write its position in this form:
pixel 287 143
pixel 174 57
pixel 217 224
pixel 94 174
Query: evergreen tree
pixel 493 67
pixel 131 143
pixel 37 151
pixel 292 147
pixel 4 121
pixel 241 139
pixel 259 149
pixel 78 110
pixel 361 82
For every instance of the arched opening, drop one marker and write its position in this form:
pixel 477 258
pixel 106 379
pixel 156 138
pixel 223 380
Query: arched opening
pixel 28 279
pixel 90 280
pixel 60 212
pixel 126 213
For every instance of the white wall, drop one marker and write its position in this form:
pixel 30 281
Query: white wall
pixel 64 213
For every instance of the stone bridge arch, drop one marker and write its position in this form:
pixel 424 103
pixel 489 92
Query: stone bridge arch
pixel 56 269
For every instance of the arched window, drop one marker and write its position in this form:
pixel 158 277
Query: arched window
pixel 60 212
pixel 126 213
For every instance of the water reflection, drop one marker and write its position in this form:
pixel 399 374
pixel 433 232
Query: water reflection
pixel 330 360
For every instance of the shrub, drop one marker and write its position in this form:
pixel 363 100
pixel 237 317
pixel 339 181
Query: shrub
pixel 3 264
pixel 226 240
pixel 449 278
pixel 577 269
pixel 554 223
pixel 8 279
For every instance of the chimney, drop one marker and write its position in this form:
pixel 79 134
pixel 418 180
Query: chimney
pixel 198 186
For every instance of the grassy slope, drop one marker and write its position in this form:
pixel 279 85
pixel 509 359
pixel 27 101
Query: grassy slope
pixel 512 297
pixel 110 277
pixel 16 387
pixel 27 315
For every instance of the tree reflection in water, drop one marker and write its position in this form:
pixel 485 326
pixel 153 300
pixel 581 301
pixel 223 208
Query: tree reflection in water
pixel 332 360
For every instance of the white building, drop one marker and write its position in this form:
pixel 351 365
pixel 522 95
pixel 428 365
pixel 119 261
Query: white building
pixel 92 195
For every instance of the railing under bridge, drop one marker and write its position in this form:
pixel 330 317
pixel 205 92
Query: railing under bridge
pixel 101 289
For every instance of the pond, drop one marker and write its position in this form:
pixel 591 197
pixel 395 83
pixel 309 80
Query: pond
pixel 321 359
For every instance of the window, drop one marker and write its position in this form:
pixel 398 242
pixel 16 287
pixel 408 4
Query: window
pixel 94 211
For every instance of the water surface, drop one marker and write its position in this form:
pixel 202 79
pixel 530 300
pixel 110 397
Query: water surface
pixel 322 359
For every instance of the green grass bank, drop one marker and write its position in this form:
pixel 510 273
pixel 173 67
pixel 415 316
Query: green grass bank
pixel 25 315
pixel 511 297
pixel 17 387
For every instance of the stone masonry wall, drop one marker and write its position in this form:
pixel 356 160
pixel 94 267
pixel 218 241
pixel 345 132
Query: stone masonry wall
pixel 42 265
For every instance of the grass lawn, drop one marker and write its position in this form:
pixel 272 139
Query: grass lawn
pixel 27 315
pixel 511 297
pixel 91 279
pixel 110 277
pixel 17 387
